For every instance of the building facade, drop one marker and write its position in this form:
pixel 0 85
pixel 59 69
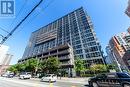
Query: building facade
pixel 3 52
pixel 65 55
pixel 6 64
pixel 118 49
pixel 126 58
pixel 115 52
pixel 128 9
pixel 74 29
pixel 7 59
pixel 4 59
pixel 109 58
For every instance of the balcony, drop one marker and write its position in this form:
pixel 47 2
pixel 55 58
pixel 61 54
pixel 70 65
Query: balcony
pixel 63 52
pixel 64 58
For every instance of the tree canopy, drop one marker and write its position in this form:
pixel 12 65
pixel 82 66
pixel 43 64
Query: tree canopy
pixel 79 66
pixel 50 65
pixel 97 68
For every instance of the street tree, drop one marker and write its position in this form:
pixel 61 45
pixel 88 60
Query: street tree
pixel 98 68
pixel 111 66
pixel 52 65
pixel 13 69
pixel 20 67
pixel 79 66
pixel 42 66
pixel 31 65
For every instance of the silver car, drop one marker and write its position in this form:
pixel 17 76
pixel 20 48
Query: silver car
pixel 49 78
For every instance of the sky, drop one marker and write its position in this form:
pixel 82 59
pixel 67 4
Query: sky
pixel 108 18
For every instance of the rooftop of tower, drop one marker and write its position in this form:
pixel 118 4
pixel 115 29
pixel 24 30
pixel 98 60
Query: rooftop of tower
pixel 58 19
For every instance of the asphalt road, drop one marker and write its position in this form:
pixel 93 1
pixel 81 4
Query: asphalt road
pixel 14 82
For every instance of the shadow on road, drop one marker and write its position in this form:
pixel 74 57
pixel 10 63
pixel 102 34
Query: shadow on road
pixel 86 85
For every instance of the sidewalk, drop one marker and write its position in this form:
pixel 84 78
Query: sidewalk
pixel 70 80
pixel 74 80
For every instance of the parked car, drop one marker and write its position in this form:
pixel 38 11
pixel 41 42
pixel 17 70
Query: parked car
pixel 110 80
pixel 8 75
pixel 4 75
pixel 49 78
pixel 25 75
pixel 11 75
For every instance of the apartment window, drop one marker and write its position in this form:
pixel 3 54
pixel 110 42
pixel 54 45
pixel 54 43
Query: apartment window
pixel 90 39
pixel 77 38
pixel 81 56
pixel 86 50
pixel 95 48
pixel 84 41
pixel 92 55
pixel 77 47
pixel 95 54
pixel 79 51
pixel 91 44
pixel 87 55
pixel 77 42
pixel 76 34
pixel 88 30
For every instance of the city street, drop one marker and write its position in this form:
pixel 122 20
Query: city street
pixel 15 82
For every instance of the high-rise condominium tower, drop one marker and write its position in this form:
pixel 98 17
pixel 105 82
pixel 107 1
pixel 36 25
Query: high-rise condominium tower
pixel 73 33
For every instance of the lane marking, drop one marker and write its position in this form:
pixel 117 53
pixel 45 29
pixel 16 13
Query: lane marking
pixel 73 86
pixel 51 85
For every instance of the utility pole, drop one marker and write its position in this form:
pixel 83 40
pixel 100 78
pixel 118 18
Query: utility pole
pixel 17 26
pixel 1 37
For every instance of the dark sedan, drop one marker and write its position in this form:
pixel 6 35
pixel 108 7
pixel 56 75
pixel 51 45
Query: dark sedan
pixel 110 80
